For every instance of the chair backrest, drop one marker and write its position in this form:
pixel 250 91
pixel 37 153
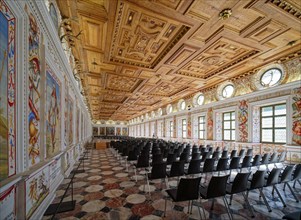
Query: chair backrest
pixel 256 160
pixel 132 155
pixel 217 186
pixel 177 168
pixel 194 167
pixel 274 158
pixel 246 162
pixel 233 154
pixel 222 164
pixel 282 157
pixel 171 158
pixel 188 189
pixel 195 150
pixel 241 153
pixel 143 161
pixel 184 156
pixel 258 179
pixel 297 172
pixel 225 154
pixel 265 158
pixel 208 165
pixel 240 183
pixel 234 164
pixel 216 155
pixel 157 158
pixel 205 155
pixel 158 170
pixel 195 156
pixel 249 152
pixel 286 175
pixel 273 177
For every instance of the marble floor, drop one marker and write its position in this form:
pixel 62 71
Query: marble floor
pixel 107 191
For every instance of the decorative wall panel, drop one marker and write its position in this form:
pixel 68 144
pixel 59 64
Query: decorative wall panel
pixel 210 124
pixel 296 106
pixel 53 119
pixel 35 90
pixel 189 126
pixel 71 118
pixel 110 131
pixel 243 121
pixel 37 189
pixel 219 126
pixel 8 203
pixel 77 127
pixel 256 124
pixel 118 131
pixel 125 131
pixel 102 131
pixel 7 92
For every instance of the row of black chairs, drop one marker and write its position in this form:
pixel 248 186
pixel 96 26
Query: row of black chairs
pixel 190 189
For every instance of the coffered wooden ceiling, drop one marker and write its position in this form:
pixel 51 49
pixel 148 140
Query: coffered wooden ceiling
pixel 135 56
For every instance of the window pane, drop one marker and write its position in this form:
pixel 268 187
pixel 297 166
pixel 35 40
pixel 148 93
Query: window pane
pixel 267 122
pixel 267 111
pixel 201 126
pixel 267 135
pixel 280 121
pixel 280 135
pixel 233 135
pixel 280 109
pixel 227 135
pixel 233 124
pixel 201 134
pixel 201 119
pixel 227 125
pixel 184 134
pixel 233 116
pixel 226 116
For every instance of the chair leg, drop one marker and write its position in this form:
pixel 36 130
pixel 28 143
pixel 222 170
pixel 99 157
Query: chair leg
pixel 135 174
pixel 200 211
pixel 202 208
pixel 212 204
pixel 265 200
pixel 284 205
pixel 188 207
pixel 165 208
pixel 248 204
pixel 231 196
pixel 227 207
pixel 297 200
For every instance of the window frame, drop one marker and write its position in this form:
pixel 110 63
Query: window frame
pixel 203 130
pixel 171 129
pixel 268 85
pixel 231 129
pixel 273 123
pixel 184 130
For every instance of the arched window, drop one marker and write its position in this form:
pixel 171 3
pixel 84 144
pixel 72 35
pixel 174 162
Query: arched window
pixel 227 91
pixel 270 77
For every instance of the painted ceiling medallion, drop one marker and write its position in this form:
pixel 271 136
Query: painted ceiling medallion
pixel 225 14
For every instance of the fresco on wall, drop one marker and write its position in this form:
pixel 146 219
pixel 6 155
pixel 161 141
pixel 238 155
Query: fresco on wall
pixel 82 127
pixel 7 93
pixel 77 124
pixel 37 189
pixel 210 124
pixel 53 104
pixel 294 68
pixel 102 131
pixel 219 126
pixel 124 131
pixel 34 96
pixel 95 131
pixel 189 127
pixel 296 106
pixel 110 131
pixel 256 124
pixel 118 131
pixel 66 117
pixel 243 121
pixel 71 112
pixel 7 203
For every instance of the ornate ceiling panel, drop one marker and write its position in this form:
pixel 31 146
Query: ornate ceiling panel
pixel 134 57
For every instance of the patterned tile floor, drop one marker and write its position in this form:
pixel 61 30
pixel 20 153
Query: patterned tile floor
pixel 107 191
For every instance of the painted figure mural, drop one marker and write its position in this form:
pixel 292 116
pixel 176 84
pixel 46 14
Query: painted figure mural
pixel 53 103
pixel 70 109
pixel 243 121
pixel 296 105
pixel 210 124
pixel 7 92
pixel 34 96
pixel 37 189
